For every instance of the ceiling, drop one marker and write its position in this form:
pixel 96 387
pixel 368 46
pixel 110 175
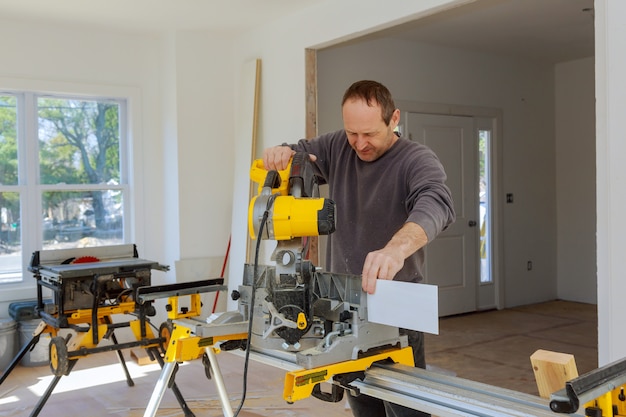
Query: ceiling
pixel 553 30
pixel 153 16
pixel 547 30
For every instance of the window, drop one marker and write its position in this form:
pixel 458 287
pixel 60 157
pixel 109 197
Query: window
pixel 63 181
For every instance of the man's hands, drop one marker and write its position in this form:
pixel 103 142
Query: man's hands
pixel 385 263
pixel 278 157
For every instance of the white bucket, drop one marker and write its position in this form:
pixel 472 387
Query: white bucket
pixel 40 355
pixel 8 343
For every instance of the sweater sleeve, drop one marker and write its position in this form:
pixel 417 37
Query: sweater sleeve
pixel 429 202
pixel 322 148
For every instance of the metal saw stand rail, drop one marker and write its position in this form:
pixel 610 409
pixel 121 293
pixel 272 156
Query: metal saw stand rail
pixel 448 396
pixel 598 393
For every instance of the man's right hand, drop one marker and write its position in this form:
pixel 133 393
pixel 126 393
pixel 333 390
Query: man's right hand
pixel 278 157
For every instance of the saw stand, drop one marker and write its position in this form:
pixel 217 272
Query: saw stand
pixel 179 342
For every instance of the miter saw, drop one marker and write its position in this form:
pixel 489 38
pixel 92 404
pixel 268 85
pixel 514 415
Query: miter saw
pixel 320 316
pixel 291 310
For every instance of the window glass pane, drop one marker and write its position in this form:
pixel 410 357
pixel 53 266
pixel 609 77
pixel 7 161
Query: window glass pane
pixel 10 238
pixel 8 140
pixel 82 218
pixel 484 138
pixel 78 141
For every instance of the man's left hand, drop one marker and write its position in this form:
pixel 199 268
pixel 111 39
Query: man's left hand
pixel 385 263
pixel 381 264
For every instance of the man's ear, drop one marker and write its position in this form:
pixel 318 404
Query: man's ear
pixel 395 119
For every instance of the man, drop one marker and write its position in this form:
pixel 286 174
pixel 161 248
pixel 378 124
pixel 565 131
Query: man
pixel 391 200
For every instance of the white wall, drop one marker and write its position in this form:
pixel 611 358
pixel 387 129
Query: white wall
pixel 205 151
pixel 611 193
pixel 169 125
pixel 576 181
pixel 196 86
pixel 205 142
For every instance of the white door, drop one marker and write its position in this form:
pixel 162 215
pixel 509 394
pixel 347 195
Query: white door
pixel 451 259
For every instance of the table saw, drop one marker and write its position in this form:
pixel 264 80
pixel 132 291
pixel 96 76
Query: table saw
pixel 91 286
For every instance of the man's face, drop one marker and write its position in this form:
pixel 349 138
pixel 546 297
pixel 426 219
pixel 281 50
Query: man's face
pixel 368 134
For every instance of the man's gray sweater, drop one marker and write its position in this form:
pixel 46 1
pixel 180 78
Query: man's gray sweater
pixel 375 199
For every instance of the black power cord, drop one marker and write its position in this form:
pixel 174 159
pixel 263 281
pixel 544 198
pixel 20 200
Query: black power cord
pixel 270 202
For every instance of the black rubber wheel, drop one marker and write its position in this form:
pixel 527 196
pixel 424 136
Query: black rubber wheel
pixel 59 361
pixel 165 333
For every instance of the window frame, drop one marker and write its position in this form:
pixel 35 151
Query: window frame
pixel 28 163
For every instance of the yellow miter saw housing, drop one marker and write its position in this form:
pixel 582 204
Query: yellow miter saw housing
pixel 291 197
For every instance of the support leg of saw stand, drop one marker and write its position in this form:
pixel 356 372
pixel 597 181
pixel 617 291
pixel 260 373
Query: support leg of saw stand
pixel 167 376
pixel 120 357
pixel 219 383
pixel 46 395
pixel 159 389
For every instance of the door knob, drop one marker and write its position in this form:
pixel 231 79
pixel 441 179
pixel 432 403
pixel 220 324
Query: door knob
pixel 471 223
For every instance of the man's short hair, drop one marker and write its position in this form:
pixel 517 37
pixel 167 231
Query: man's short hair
pixel 372 92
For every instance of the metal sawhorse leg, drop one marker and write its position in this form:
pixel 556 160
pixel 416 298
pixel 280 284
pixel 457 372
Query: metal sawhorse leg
pixel 167 376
